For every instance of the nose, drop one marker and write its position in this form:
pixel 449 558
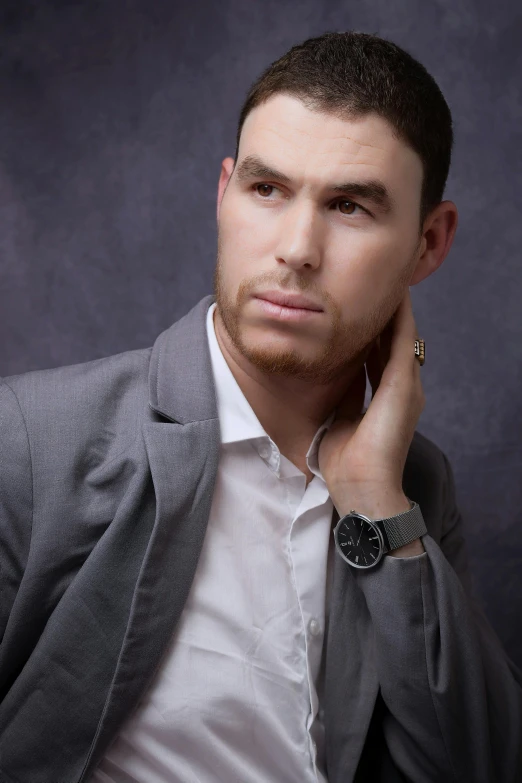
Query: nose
pixel 300 242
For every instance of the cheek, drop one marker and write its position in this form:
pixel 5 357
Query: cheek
pixel 365 257
pixel 235 271
pixel 239 226
pixel 376 245
pixel 365 272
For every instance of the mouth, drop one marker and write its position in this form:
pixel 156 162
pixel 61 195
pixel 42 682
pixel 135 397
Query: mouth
pixel 285 312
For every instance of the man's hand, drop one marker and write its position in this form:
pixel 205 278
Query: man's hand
pixel 362 455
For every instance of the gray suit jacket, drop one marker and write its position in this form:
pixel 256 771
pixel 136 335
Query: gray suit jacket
pixel 107 472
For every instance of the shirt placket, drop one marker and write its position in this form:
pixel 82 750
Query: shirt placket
pixel 309 548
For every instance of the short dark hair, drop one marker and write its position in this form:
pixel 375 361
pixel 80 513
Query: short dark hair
pixel 351 74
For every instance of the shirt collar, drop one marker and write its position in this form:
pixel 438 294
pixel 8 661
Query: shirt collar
pixel 237 420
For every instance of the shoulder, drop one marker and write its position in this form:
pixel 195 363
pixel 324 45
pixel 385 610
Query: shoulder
pixel 91 402
pixel 78 386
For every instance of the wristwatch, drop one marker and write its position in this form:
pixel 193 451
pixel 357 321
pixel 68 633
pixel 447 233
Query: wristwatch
pixel 362 542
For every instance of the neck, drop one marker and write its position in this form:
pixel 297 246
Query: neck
pixel 289 410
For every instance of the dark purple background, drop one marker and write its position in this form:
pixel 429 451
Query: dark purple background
pixel 114 119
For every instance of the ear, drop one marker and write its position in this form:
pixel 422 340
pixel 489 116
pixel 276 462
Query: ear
pixel 227 167
pixel 437 237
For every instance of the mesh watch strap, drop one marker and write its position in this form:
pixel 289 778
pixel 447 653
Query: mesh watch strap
pixel 405 527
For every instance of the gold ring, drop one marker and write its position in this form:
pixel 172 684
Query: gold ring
pixel 420 351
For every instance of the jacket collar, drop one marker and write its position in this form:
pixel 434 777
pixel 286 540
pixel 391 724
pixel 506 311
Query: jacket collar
pixel 179 370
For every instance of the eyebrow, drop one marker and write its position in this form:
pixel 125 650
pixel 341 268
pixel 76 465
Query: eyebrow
pixel 375 191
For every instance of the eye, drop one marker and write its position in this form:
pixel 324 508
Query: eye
pixel 262 185
pixel 352 205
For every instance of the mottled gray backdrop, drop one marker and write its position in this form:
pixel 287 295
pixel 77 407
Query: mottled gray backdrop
pixel 114 119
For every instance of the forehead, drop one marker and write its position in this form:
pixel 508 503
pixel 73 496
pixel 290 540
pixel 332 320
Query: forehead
pixel 322 146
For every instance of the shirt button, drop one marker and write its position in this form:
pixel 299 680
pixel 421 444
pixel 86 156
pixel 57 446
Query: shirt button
pixel 314 628
pixel 264 452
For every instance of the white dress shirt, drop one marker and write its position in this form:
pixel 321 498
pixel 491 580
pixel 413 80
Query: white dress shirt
pixel 235 699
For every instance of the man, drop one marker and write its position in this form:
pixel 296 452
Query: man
pixel 216 564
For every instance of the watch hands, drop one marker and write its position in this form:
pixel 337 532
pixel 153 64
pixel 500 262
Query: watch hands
pixel 360 534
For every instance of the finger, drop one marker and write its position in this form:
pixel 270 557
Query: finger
pixel 403 333
pixel 403 346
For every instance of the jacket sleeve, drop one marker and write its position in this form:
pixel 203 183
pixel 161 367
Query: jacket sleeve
pixel 454 696
pixel 15 500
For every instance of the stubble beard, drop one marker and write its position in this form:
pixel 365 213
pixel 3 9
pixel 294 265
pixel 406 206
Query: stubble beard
pixel 344 352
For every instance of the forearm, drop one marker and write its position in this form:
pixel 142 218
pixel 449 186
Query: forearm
pixel 455 698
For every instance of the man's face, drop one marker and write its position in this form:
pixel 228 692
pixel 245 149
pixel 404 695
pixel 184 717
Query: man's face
pixel 353 253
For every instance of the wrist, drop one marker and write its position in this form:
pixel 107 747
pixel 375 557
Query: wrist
pixel 382 505
pixel 375 505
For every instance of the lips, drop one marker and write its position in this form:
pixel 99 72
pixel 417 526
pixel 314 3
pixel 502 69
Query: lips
pixel 289 300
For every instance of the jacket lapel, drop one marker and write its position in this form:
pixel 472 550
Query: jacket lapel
pixel 182 456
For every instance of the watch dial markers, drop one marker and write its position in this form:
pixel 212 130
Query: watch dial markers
pixel 361 546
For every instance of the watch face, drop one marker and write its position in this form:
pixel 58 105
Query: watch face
pixel 359 541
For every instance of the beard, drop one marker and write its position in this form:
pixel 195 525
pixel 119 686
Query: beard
pixel 343 352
